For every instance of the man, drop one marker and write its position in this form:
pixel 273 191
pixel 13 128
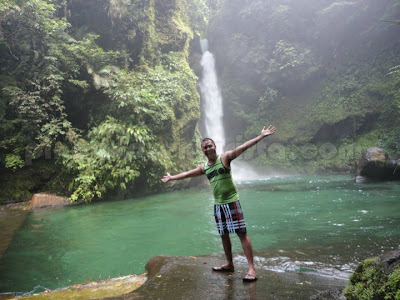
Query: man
pixel 227 210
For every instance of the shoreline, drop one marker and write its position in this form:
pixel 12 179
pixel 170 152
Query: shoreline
pixel 113 287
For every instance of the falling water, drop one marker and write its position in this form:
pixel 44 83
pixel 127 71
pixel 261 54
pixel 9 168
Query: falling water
pixel 211 98
pixel 213 113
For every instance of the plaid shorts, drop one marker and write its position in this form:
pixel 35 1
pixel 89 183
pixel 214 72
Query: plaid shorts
pixel 229 218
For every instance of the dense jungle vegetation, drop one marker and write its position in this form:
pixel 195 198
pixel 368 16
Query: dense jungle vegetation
pixel 96 96
pixel 324 72
pixel 98 99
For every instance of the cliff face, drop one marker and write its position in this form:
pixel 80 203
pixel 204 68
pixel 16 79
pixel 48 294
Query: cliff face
pixel 321 71
pixel 116 101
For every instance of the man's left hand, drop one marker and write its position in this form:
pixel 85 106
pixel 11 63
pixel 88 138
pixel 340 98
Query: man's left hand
pixel 266 132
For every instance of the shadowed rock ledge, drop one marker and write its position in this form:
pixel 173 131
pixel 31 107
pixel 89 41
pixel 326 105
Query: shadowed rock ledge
pixel 171 277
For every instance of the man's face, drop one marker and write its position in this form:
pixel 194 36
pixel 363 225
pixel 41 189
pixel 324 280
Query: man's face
pixel 208 148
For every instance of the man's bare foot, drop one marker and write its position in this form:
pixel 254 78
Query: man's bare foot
pixel 224 268
pixel 250 277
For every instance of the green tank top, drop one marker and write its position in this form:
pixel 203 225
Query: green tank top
pixel 222 185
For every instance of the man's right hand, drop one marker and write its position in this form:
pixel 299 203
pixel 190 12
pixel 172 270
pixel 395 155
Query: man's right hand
pixel 166 178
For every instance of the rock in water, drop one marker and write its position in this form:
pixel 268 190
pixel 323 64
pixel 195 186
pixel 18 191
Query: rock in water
pixel 375 165
pixel 47 200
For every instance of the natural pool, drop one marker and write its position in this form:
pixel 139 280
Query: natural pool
pixel 323 224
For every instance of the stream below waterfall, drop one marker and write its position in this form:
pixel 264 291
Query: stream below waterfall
pixel 320 224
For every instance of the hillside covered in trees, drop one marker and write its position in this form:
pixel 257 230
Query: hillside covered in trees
pixel 95 96
pixel 324 72
pixel 98 99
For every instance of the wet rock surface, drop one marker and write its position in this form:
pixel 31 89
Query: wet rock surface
pixel 192 278
pixel 390 261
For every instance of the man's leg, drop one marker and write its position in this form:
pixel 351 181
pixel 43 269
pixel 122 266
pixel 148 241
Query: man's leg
pixel 248 252
pixel 226 243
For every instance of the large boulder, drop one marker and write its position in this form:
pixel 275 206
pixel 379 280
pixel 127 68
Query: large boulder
pixel 376 278
pixel 375 164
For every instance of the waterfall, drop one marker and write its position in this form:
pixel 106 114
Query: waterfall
pixel 212 113
pixel 211 99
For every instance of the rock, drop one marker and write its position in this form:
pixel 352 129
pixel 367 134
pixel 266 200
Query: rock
pixel 101 289
pixel 372 163
pixel 395 166
pixel 334 294
pixel 376 278
pixel 7 296
pixel 390 261
pixel 363 179
pixel 178 277
pixel 47 200
pixel 375 165
pixel 154 265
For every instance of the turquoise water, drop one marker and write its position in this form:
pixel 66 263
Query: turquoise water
pixel 325 222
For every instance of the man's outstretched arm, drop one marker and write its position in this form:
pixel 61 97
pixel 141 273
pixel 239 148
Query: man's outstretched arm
pixel 232 154
pixel 192 173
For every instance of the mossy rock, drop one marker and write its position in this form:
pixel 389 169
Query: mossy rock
pixel 376 278
pixel 114 287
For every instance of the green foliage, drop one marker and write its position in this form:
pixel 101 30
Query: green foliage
pixel 29 33
pixel 134 139
pixel 114 155
pixel 352 92
pixel 198 13
pixel 369 282
pixel 118 9
pixel 4 5
pixel 132 30
pixel 365 282
pixel 284 63
pixel 392 111
pixel 136 93
pixel 149 97
pixel 291 61
pixel 269 97
pixel 13 162
pixel 95 161
pixel 40 59
pixel 392 286
pixel 132 142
